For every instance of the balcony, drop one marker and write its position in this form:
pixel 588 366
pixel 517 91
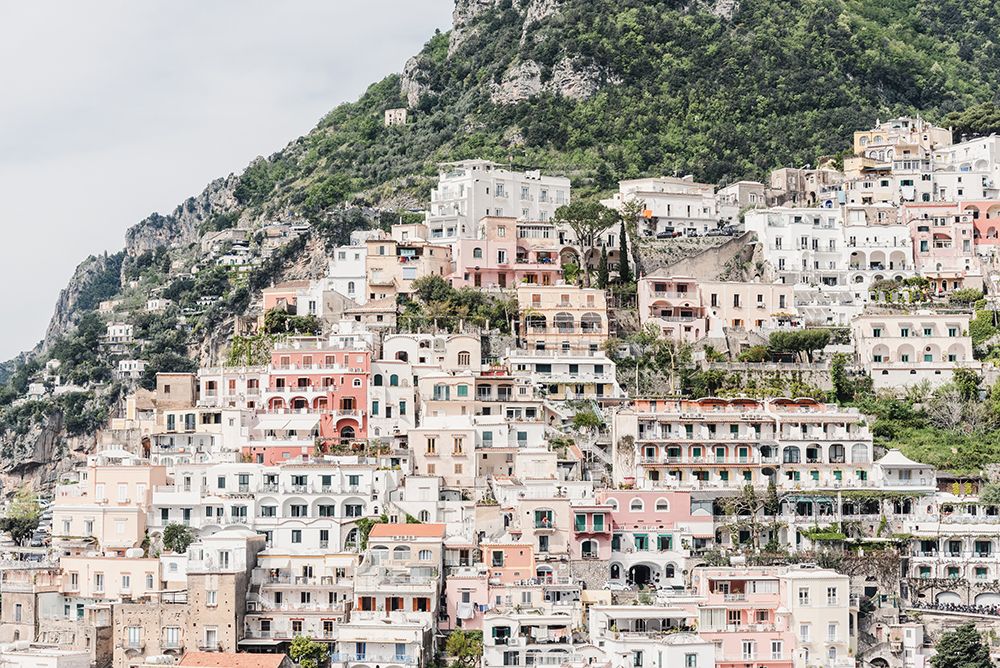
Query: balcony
pixel 404 659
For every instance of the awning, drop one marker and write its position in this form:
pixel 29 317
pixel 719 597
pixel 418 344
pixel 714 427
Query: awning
pixel 260 641
pixel 302 422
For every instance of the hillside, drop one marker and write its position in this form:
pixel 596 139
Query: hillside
pixel 599 90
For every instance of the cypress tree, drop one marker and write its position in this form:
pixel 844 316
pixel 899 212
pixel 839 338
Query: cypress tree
pixel 603 275
pixel 624 271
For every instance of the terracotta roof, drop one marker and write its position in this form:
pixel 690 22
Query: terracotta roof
pixel 419 530
pixel 231 660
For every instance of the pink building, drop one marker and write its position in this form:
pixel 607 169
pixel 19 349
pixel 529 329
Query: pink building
pixel 317 393
pixel 673 304
pixel 591 531
pixel 467 597
pixel 739 613
pixel 655 532
pixel 943 245
pixel 985 220
pixel 507 253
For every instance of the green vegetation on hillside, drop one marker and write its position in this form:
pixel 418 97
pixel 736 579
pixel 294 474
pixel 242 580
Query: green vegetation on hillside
pixel 682 91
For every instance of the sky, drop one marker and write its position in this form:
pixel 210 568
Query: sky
pixel 113 109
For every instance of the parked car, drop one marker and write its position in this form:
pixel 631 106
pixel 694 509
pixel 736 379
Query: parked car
pixel 665 235
pixel 617 586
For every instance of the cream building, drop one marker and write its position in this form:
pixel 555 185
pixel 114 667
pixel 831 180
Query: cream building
pixel 901 349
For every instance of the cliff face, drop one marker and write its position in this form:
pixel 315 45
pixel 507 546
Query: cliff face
pixel 96 278
pixel 180 227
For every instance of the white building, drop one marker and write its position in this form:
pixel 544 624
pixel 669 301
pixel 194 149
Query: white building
pixel 346 272
pixel 671 204
pixel 473 189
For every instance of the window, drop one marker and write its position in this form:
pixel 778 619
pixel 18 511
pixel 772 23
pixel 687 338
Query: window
pixel 662 506
pixel 804 632
pixel 776 650
pixel 211 597
pixel 803 595
pixel 831 596
pixel 636 506
pixel 171 636
pixel 832 631
pixel 133 636
pixel 464 358
pixel 296 535
pixel 425 555
pixel 99 582
pixel 149 580
pixel 690 661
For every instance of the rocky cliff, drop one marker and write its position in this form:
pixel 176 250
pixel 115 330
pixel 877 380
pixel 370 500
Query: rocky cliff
pixel 181 226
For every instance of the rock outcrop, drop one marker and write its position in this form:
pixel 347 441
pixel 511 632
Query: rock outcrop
pixel 412 81
pixel 463 19
pixel 523 81
pixel 520 82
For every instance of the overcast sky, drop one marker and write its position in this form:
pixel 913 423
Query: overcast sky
pixel 113 109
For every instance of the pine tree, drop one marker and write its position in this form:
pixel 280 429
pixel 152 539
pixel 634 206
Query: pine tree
pixel 964 648
pixel 624 271
pixel 603 275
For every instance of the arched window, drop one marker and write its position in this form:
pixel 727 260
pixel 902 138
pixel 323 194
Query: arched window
pixel 393 380
pixel 357 382
pixel 377 380
pixel 425 555
pixel 424 516
pixel 636 506
pixel 613 503
pixel 401 553
pixel 477 253
pixel 350 287
pixel 464 358
pixel 662 506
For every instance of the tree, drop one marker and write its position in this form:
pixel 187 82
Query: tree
pixel 843 390
pixel 22 516
pixel 603 275
pixel 631 214
pixel 746 509
pixel 772 503
pixel 278 321
pixel 797 342
pixel 587 419
pixel 961 648
pixel 587 219
pixel 466 647
pixel 624 273
pixel 307 653
pixel 177 538
pixel 967 383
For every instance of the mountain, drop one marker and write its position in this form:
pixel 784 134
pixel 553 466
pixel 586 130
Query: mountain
pixel 599 90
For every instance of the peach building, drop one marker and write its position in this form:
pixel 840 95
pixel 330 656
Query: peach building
pixel 508 561
pixel 563 317
pixel 394 262
pixel 757 306
pixel 507 253
pixel 107 509
pixel 402 570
